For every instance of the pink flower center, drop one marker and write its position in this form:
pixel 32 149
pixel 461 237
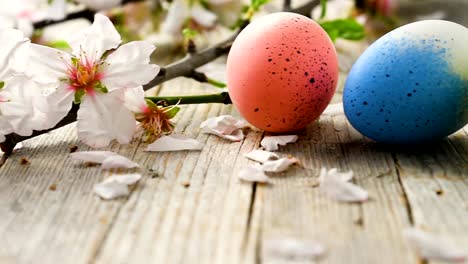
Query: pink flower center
pixel 84 75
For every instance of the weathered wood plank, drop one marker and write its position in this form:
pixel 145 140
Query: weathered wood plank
pixel 190 207
pixel 196 210
pixel 356 233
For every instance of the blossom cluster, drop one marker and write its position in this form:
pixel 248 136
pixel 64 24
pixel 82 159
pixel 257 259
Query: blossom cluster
pixel 39 84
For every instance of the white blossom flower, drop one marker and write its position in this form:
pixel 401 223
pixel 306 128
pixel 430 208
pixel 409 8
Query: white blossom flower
pixel 21 14
pixel 19 96
pixel 96 74
pixel 181 10
pixel 154 120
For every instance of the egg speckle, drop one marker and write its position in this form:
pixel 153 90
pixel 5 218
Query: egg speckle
pixel 282 72
pixel 411 85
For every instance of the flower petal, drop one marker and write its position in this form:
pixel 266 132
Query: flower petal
pixel 5 128
pixel 135 99
pixel 253 174
pixel 13 40
pixel 175 18
pixel 97 39
pixel 271 143
pixel 334 109
pixel 174 143
pixel 129 67
pixel 111 190
pixel 92 156
pixel 224 126
pixel 117 161
pixel 127 179
pixel 203 16
pixel 432 247
pixel 58 105
pixel 279 165
pixel 97 117
pixel 261 156
pixel 287 248
pixel 47 65
pixel 335 187
pixel 20 108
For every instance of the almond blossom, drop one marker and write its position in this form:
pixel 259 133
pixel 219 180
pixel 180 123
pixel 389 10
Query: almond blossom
pixel 21 14
pixel 96 75
pixel 19 96
pixel 153 119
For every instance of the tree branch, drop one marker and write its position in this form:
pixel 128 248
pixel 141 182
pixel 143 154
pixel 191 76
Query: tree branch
pixel 85 13
pixel 185 67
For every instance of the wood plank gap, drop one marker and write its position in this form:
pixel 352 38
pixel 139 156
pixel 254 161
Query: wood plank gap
pixel 100 247
pixel 3 159
pixel 408 207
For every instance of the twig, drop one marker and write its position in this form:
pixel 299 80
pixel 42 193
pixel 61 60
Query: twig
pixel 186 67
pixel 85 13
pixel 221 98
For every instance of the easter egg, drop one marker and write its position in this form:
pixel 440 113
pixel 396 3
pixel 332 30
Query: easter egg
pixel 411 85
pixel 282 72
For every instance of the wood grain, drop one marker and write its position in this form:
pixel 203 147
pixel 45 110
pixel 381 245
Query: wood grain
pixel 190 207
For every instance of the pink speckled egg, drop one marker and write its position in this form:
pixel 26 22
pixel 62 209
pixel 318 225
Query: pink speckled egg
pixel 282 72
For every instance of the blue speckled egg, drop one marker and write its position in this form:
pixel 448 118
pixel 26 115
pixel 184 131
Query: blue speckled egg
pixel 411 85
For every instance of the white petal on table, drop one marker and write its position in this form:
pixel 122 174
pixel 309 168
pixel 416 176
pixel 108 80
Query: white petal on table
pixel 271 143
pixel 334 109
pixel 287 248
pixel 111 190
pixel 432 247
pixel 92 156
pixel 253 173
pixel 335 186
pixel 261 156
pixel 279 165
pixel 117 161
pixel 225 126
pixel 175 143
pixel 116 186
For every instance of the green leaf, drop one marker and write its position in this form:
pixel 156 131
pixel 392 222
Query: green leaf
pixel 256 4
pixel 189 33
pixel 151 104
pixel 2 84
pixel 100 87
pixel 59 44
pixel 323 4
pixel 172 112
pixel 348 29
pixel 79 96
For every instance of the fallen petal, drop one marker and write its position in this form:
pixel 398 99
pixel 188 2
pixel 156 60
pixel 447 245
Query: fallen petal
pixel 175 143
pixel 271 143
pixel 261 156
pixel 292 249
pixel 342 176
pixel 92 156
pixel 432 247
pixel 225 126
pixel 335 186
pixel 117 161
pixel 278 165
pixel 253 174
pixel 111 190
pixel 334 109
pixel 127 179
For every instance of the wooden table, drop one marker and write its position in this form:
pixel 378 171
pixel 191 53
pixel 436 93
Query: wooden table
pixel 190 207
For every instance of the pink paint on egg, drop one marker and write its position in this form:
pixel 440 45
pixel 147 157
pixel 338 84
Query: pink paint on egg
pixel 282 72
